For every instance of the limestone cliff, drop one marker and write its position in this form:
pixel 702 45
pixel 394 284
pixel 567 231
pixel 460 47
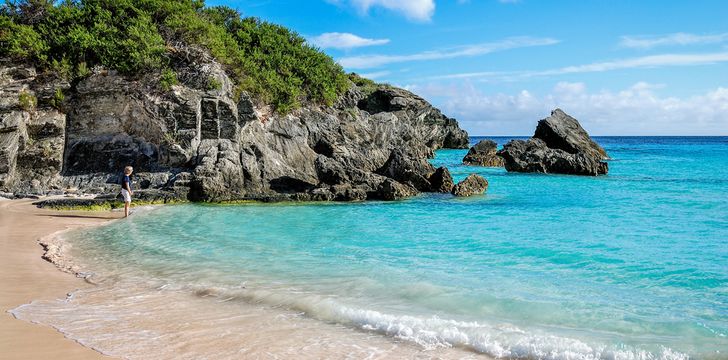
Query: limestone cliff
pixel 203 143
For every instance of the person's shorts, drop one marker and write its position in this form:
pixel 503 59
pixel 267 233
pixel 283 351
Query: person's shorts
pixel 125 194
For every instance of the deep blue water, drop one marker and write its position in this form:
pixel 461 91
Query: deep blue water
pixel 632 265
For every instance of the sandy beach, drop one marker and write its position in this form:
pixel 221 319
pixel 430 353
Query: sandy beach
pixel 25 276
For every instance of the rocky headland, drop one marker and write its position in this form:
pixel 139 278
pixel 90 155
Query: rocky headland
pixel 198 143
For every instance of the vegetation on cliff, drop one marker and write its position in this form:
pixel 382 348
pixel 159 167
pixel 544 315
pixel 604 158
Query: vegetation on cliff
pixel 137 36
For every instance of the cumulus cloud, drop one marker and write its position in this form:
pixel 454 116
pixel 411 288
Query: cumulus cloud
pixel 373 61
pixel 344 41
pixel 651 61
pixel 648 42
pixel 637 110
pixel 417 10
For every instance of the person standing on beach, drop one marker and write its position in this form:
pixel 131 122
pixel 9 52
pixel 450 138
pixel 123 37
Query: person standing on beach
pixel 126 191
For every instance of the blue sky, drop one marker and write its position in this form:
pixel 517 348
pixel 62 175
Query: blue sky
pixel 620 67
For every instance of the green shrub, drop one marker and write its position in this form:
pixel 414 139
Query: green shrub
pixel 62 67
pixel 213 84
pixel 275 65
pixel 57 100
pixel 169 139
pixel 82 70
pixel 47 150
pixel 21 41
pixel 365 85
pixel 27 100
pixel 168 79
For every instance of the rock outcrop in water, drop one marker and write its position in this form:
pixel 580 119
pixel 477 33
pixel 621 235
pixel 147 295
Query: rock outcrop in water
pixel 472 185
pixel 560 145
pixel 441 180
pixel 205 144
pixel 484 153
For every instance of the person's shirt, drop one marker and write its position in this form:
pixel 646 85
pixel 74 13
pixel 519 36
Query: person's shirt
pixel 125 181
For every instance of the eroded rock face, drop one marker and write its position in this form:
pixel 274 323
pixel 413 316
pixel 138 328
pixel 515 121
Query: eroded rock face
pixel 484 153
pixel 205 145
pixel 560 145
pixel 413 171
pixel 472 185
pixel 31 133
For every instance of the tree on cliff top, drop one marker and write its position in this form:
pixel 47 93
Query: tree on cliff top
pixel 134 36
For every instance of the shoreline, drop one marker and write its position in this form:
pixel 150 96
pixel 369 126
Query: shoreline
pixel 38 273
pixel 25 277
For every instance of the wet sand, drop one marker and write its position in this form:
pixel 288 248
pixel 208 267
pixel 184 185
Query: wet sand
pixel 25 276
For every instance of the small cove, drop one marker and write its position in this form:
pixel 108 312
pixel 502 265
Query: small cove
pixel 625 266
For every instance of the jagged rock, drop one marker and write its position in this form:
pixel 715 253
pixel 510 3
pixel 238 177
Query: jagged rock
pixel 330 171
pixel 560 145
pixel 405 169
pixel 392 190
pixel 441 180
pixel 534 156
pixel 110 153
pixel 8 158
pixel 484 153
pixel 218 176
pixel 246 108
pixel 472 185
pixel 561 131
pixel 212 146
pixel 400 102
pixel 347 193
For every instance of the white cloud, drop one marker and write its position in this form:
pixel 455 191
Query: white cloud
pixel 647 42
pixel 651 61
pixel 375 75
pixel 641 62
pixel 637 110
pixel 418 10
pixel 372 61
pixel 336 40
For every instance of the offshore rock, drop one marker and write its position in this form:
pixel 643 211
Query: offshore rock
pixel 472 185
pixel 560 145
pixel 484 153
pixel 561 131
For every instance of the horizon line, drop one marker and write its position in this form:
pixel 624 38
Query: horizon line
pixel 608 135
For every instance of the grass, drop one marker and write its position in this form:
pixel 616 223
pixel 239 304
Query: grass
pixel 109 205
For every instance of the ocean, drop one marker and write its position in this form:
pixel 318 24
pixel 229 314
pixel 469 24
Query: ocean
pixel 631 265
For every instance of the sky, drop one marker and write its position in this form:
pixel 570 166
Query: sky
pixel 621 67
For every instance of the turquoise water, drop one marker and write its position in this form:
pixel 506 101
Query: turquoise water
pixel 633 265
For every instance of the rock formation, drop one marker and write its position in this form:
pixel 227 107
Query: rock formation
pixel 441 180
pixel 472 185
pixel 207 144
pixel 484 153
pixel 560 145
